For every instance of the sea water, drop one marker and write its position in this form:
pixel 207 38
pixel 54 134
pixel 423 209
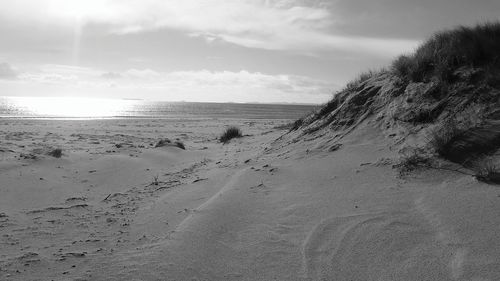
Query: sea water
pixel 64 107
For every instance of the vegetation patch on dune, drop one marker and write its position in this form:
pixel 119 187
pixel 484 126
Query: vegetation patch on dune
pixel 487 171
pixel 447 51
pixel 445 96
pixel 230 133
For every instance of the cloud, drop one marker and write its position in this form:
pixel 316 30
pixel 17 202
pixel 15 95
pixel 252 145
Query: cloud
pixel 60 74
pixel 264 24
pixel 7 72
pixel 204 85
pixel 111 75
pixel 228 81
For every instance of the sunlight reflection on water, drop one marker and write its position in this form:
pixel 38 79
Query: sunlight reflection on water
pixel 67 108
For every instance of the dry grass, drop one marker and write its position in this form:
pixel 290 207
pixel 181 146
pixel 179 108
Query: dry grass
pixel 413 160
pixel 361 78
pixel 230 133
pixel 487 171
pixel 446 51
pixel 441 137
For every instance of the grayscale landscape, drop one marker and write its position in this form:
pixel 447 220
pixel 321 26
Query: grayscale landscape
pixel 250 140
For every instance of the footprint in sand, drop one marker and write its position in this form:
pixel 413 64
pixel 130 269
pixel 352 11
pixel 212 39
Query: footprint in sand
pixel 380 246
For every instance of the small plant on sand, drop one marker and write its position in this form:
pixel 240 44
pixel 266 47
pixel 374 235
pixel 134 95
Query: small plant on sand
pixel 230 133
pixel 180 145
pixel 442 137
pixel 413 160
pixel 156 180
pixel 487 171
pixel 57 153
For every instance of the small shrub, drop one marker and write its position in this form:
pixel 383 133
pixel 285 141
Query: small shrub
pixel 413 160
pixel 442 137
pixel 230 133
pixel 487 171
pixel 180 145
pixel 156 180
pixel 402 67
pixel 57 153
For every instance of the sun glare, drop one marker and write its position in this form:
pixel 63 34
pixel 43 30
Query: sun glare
pixel 77 10
pixel 72 107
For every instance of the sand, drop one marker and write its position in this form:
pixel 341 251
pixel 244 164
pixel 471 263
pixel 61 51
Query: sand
pixel 114 207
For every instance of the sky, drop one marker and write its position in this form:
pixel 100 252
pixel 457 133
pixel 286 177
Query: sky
pixel 267 51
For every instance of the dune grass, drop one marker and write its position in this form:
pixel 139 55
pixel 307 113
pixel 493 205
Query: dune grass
pixel 412 160
pixel 487 171
pixel 449 50
pixel 442 137
pixel 230 133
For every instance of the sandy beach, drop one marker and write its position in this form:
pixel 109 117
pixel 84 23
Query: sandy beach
pixel 111 190
pixel 262 207
pixel 249 140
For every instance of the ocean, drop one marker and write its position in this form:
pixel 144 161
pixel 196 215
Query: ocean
pixel 84 108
